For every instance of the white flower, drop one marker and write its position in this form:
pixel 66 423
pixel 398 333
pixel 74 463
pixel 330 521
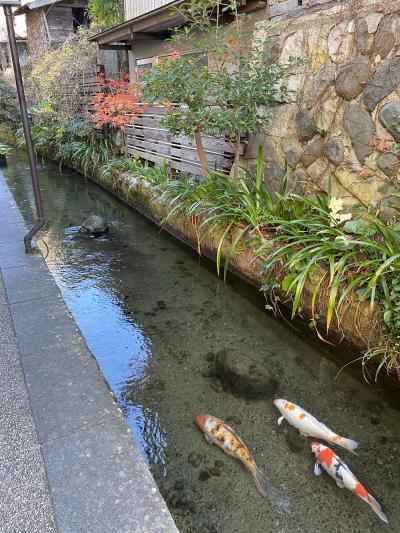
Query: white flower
pixel 344 218
pixel 336 205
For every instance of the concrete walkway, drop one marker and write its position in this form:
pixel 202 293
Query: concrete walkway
pixel 68 462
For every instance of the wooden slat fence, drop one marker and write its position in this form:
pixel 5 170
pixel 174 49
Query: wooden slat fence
pixel 81 88
pixel 148 139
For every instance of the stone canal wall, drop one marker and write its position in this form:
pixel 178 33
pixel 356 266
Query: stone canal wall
pixel 357 329
pixel 341 120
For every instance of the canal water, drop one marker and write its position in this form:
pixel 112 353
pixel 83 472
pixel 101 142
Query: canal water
pixel 154 316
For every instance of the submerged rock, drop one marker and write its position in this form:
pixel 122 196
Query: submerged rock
pixel 295 441
pixel 195 459
pixel 215 471
pixel 96 225
pixel 216 385
pixel 204 475
pixel 244 376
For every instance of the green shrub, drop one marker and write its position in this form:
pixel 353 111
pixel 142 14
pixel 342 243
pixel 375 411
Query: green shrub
pixel 105 13
pixel 9 108
pixel 73 142
pixel 223 88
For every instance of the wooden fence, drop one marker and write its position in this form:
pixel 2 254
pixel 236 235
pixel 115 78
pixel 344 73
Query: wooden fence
pixel 148 139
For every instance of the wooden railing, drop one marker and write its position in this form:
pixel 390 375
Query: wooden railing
pixel 148 139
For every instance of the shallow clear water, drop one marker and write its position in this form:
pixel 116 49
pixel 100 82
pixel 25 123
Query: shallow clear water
pixel 154 316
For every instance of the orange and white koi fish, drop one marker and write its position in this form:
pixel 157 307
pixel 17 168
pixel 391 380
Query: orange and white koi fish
pixel 217 432
pixel 344 477
pixel 310 426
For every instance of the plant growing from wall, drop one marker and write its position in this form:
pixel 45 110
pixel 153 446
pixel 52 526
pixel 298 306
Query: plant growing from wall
pixel 221 89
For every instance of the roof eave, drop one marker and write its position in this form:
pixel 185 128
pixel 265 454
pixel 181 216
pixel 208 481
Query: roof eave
pixel 152 22
pixel 36 4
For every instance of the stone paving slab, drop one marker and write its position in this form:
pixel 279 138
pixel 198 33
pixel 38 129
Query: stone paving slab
pixel 13 254
pixel 76 397
pixel 125 498
pixel 68 462
pixel 19 282
pixel 12 232
pixel 17 426
pixel 42 323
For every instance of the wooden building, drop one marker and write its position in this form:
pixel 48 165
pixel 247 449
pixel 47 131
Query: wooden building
pixel 49 23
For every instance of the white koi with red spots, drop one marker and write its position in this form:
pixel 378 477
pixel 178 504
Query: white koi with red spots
pixel 217 432
pixel 343 476
pixel 309 426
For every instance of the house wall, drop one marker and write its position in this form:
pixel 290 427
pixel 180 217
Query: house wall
pixel 135 8
pixel 37 37
pixel 47 29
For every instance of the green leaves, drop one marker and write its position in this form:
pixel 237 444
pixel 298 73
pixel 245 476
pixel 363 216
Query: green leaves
pixel 362 260
pixel 105 13
pixel 221 88
pixel 9 109
pixel 4 149
pixel 359 227
pixel 288 281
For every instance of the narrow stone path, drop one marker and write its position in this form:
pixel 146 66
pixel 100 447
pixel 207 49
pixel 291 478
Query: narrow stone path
pixel 68 462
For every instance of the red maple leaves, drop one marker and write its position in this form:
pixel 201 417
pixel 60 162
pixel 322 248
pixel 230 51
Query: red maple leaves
pixel 116 103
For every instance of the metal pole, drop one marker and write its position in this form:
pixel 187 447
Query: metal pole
pixel 40 220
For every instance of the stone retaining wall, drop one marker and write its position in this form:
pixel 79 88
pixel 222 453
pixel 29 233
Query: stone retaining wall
pixel 342 119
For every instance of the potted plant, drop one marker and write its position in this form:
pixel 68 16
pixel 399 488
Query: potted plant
pixel 4 151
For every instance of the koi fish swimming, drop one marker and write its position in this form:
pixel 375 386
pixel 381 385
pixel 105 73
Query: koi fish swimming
pixel 310 426
pixel 217 432
pixel 344 477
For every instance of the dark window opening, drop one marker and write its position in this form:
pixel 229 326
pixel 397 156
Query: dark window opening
pixel 299 2
pixel 79 17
